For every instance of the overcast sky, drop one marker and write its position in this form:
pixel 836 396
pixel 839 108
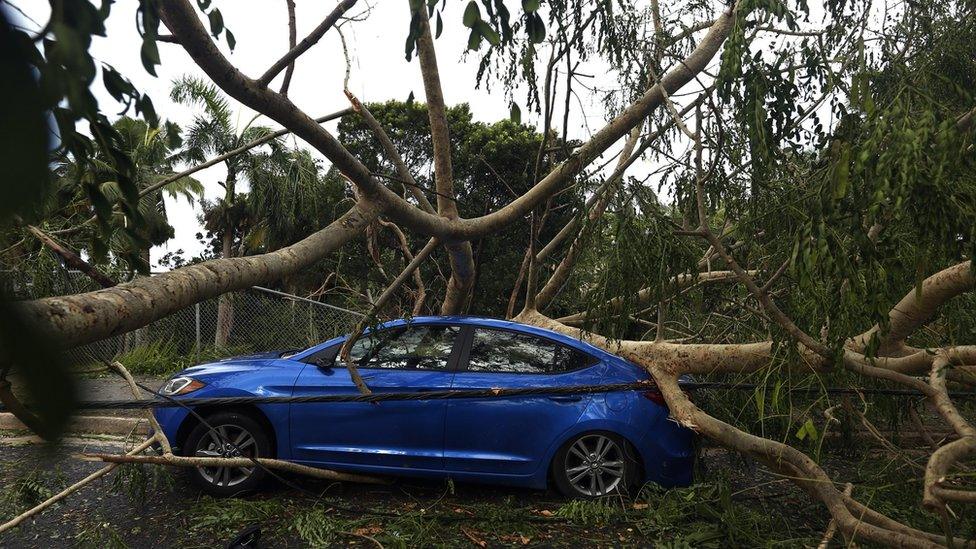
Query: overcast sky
pixel 379 72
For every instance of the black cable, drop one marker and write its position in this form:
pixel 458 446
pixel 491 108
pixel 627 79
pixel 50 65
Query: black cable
pixel 453 394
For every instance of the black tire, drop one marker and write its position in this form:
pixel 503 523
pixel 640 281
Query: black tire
pixel 584 474
pixel 251 439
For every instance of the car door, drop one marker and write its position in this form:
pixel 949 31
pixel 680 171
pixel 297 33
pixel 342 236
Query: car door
pixel 388 434
pixel 510 435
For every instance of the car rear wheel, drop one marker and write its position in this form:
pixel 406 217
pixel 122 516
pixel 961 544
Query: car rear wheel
pixel 232 435
pixel 595 464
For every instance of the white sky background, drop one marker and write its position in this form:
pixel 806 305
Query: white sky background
pixel 379 72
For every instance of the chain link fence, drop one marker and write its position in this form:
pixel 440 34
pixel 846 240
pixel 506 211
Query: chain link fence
pixel 262 320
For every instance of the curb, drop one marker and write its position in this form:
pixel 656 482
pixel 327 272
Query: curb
pixel 102 425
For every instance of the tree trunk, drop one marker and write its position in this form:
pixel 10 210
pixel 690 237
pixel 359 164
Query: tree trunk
pixel 139 336
pixel 225 305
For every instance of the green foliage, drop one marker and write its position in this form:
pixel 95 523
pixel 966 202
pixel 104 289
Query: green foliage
pixel 164 357
pixel 317 527
pixel 138 481
pixel 631 251
pixel 27 488
pixel 23 143
pixel 222 518
pixel 496 29
pixel 707 515
pixel 600 512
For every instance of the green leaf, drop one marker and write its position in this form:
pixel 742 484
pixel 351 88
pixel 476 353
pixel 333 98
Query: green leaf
pixel 216 22
pixel 488 33
pixel 410 98
pixel 808 429
pixel 536 28
pixel 530 6
pixel 516 113
pixel 474 40
pixel 439 26
pixel 231 41
pixel 115 85
pixel 150 55
pixel 472 14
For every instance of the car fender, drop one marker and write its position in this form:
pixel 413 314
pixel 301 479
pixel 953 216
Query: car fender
pixel 173 418
pixel 591 420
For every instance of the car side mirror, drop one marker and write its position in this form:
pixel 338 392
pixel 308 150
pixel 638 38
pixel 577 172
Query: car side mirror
pixel 326 364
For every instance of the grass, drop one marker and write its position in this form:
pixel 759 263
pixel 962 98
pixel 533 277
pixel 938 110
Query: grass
pixel 162 358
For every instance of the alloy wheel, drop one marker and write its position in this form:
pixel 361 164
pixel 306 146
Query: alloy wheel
pixel 595 465
pixel 227 441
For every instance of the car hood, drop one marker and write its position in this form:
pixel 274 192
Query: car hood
pixel 254 361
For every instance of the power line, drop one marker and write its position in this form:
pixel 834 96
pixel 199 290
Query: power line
pixel 460 394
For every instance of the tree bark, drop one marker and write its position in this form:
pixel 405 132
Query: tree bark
pixel 459 253
pixel 225 305
pixel 77 319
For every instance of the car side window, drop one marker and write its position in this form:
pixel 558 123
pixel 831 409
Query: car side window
pixel 510 352
pixel 406 348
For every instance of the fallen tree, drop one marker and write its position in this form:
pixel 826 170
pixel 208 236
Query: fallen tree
pixel 821 233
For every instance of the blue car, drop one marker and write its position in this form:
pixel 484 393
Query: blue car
pixel 586 445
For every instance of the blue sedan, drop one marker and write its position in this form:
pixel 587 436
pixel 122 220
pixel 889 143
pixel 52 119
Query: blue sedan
pixel 586 445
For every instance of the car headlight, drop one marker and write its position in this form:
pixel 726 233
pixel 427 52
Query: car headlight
pixel 180 386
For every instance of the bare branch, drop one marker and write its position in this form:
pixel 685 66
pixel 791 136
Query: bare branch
pixel 313 37
pixel 381 301
pixel 281 465
pixel 407 179
pixel 72 259
pixel 292 40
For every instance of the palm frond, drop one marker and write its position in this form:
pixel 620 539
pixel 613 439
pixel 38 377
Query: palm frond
pixel 190 90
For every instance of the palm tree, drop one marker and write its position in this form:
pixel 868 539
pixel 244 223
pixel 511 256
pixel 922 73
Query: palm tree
pixel 150 152
pixel 212 133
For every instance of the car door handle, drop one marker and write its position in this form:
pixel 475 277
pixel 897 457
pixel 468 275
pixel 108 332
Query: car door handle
pixel 565 398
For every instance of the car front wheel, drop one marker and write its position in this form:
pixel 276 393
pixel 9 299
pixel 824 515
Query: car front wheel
pixel 595 464
pixel 228 435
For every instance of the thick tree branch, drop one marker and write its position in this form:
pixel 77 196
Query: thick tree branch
pixel 183 21
pixel 919 306
pixel 82 318
pixel 459 252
